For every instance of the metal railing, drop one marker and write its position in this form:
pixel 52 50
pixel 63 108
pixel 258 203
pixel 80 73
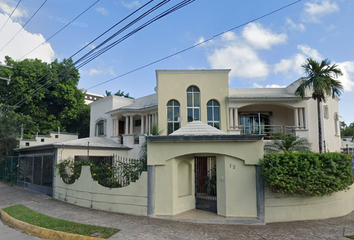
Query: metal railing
pixel 267 129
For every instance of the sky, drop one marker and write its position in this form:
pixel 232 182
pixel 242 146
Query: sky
pixel 267 52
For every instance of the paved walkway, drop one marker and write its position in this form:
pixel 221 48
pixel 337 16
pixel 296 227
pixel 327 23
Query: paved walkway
pixel 136 228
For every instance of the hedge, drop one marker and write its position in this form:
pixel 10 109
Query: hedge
pixel 307 174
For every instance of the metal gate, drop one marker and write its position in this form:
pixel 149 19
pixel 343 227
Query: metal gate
pixel 205 184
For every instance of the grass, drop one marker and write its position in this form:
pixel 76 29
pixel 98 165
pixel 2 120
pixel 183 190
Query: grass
pixel 27 215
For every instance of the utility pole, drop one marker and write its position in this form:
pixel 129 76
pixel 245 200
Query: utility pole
pixel 6 79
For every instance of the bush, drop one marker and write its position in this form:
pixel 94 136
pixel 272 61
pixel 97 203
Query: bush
pixel 307 174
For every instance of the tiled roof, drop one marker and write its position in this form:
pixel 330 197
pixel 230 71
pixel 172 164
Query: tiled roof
pixel 197 128
pixel 142 103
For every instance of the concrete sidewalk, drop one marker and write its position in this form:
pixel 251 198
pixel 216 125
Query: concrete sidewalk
pixel 135 228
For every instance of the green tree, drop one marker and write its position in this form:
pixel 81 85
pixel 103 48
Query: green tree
pixel 120 93
pixel 347 130
pixel 320 80
pixel 59 104
pixel 10 130
pixel 287 143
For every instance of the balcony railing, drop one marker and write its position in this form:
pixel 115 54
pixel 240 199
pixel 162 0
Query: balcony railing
pixel 267 129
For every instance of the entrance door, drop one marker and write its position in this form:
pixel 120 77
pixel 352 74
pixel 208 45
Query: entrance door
pixel 205 183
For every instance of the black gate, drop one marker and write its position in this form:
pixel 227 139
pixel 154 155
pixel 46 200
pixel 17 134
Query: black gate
pixel 205 184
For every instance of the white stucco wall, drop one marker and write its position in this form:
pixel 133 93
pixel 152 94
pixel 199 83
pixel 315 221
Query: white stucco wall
pixel 88 193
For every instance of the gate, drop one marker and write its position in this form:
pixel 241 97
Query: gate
pixel 8 169
pixel 205 184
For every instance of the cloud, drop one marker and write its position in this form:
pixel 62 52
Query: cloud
pixel 315 10
pixel 102 11
pixel 242 59
pixel 94 71
pixel 17 15
pixel 294 63
pixel 23 43
pixel 256 85
pixel 348 75
pixel 301 27
pixel 132 4
pixel 260 37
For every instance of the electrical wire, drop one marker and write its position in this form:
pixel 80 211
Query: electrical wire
pixel 10 15
pixel 24 25
pixel 61 29
pixel 83 48
pixel 195 45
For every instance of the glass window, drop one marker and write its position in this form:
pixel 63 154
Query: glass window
pixel 193 103
pixel 173 108
pixel 255 123
pixel 100 128
pixel 213 113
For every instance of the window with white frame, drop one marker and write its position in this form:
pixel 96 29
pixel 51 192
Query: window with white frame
pixel 173 112
pixel 100 128
pixel 193 104
pixel 213 113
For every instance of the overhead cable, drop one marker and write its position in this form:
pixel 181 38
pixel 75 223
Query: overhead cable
pixel 10 15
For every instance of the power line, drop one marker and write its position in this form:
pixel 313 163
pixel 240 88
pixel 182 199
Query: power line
pixel 83 48
pixel 10 15
pixel 61 29
pixel 24 25
pixel 195 45
pixel 48 84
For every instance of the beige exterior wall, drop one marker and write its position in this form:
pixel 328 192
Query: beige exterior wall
pixel 88 193
pixel 331 125
pixel 175 177
pixel 173 84
pixel 280 208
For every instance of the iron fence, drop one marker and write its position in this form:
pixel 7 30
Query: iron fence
pixel 9 169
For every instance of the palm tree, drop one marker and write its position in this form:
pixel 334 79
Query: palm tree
pixel 320 79
pixel 287 143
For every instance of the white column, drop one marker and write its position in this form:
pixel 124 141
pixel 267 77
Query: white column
pixel 117 126
pixel 301 117
pixel 296 118
pixel 305 119
pixel 152 119
pixel 231 118
pixel 147 124
pixel 142 124
pixel 131 125
pixel 236 116
pixel 126 125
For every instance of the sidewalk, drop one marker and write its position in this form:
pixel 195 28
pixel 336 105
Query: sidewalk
pixel 136 228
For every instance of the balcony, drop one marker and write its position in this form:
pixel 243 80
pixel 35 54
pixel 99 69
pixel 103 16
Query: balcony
pixel 267 130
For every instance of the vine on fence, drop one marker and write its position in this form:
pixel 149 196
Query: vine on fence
pixel 118 174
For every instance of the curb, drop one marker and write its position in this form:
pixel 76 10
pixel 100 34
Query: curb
pixel 42 232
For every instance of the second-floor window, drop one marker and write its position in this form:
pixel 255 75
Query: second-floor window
pixel 172 116
pixel 193 104
pixel 100 128
pixel 213 113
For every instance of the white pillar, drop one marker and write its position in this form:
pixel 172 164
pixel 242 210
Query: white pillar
pixel 156 119
pixel 305 119
pixel 296 118
pixel 236 116
pixel 301 117
pixel 142 124
pixel 152 119
pixel 126 125
pixel 131 125
pixel 231 120
pixel 147 124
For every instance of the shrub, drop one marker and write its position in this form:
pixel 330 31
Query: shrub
pixel 307 174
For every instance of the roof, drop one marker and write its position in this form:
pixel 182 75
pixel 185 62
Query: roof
pixel 93 142
pixel 197 128
pixel 198 131
pixel 140 103
pixel 255 95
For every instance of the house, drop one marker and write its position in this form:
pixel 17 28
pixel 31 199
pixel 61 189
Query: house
pixel 183 96
pixel 208 153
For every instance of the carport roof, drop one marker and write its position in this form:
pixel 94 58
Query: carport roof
pixel 92 142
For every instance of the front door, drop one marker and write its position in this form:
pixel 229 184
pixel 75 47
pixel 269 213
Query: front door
pixel 205 183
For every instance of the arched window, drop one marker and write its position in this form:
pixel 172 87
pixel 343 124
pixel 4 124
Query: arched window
pixel 193 103
pixel 172 116
pixel 100 128
pixel 213 113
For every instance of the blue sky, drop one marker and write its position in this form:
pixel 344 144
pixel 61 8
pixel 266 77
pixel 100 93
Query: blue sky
pixel 265 53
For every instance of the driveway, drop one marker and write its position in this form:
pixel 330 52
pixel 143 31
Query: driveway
pixel 135 228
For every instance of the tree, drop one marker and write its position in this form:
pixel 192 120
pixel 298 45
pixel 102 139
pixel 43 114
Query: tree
pixel 320 80
pixel 347 130
pixel 10 130
pixel 59 104
pixel 120 94
pixel 287 143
